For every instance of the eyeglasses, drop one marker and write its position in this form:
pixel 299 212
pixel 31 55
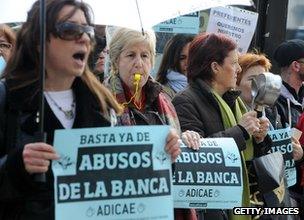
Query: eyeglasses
pixel 70 31
pixel 5 46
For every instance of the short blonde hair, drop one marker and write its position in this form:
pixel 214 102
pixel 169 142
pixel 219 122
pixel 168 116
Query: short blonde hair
pixel 124 37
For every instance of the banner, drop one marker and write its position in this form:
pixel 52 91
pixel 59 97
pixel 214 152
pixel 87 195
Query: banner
pixel 281 139
pixel 112 173
pixel 210 178
pixel 238 24
pixel 187 24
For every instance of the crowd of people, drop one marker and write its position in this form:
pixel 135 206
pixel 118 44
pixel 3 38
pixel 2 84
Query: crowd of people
pixel 202 90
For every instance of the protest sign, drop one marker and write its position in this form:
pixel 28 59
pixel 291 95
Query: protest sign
pixel 239 24
pixel 112 173
pixel 281 141
pixel 210 178
pixel 187 24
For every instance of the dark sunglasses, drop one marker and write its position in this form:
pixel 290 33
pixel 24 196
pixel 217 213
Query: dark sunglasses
pixel 71 31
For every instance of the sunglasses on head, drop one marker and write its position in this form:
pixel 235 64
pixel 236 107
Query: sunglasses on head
pixel 72 31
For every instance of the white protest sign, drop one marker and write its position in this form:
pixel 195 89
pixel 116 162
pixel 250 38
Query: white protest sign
pixel 210 178
pixel 184 24
pixel 112 173
pixel 239 24
pixel 281 142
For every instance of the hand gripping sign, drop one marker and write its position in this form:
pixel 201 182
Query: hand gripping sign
pixel 210 178
pixel 113 173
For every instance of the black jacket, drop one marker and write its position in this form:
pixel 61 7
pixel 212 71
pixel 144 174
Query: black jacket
pixel 20 196
pixel 295 105
pixel 296 110
pixel 198 110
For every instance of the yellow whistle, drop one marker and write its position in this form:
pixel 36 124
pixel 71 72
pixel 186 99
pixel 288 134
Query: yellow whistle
pixel 137 77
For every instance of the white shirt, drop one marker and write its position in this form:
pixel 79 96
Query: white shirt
pixel 64 100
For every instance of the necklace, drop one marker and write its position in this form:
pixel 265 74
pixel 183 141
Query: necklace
pixel 69 114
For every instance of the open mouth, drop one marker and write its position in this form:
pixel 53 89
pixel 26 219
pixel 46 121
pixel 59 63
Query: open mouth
pixel 79 56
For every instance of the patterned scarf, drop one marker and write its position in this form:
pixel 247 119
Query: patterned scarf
pixel 231 120
pixel 154 96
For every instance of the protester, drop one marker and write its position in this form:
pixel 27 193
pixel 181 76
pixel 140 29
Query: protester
pixel 7 44
pixel 100 64
pixel 132 58
pixel 74 99
pixel 300 161
pixel 290 57
pixel 253 64
pixel 98 55
pixel 172 72
pixel 211 106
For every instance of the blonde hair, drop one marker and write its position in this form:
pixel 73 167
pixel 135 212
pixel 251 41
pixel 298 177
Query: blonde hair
pixel 249 60
pixel 103 95
pixel 124 37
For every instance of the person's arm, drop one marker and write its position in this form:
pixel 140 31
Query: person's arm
pixel 7 186
pixel 172 144
pixel 263 147
pixel 261 140
pixel 190 120
pixel 14 180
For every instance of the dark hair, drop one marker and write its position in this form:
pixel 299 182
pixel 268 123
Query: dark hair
pixel 205 49
pixel 171 56
pixel 23 67
pixel 289 51
pixel 100 44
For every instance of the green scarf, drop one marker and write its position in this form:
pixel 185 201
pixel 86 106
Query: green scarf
pixel 231 120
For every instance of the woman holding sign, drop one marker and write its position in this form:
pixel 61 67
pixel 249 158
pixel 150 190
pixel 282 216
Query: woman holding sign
pixel 212 107
pixel 74 99
pixel 132 57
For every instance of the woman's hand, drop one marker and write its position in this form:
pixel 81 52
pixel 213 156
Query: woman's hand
pixel 250 122
pixel 191 139
pixel 37 156
pixel 262 132
pixel 297 149
pixel 172 144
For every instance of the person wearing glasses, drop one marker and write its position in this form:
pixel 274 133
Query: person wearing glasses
pixel 7 43
pixel 289 56
pixel 74 98
pixel 172 72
